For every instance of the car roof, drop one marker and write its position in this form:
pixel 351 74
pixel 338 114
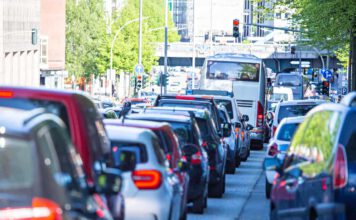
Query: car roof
pixel 128 134
pixel 161 117
pixel 198 113
pixel 234 57
pixel 40 90
pixel 293 120
pixel 302 102
pixel 137 123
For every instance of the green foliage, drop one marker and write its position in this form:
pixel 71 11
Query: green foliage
pixel 88 43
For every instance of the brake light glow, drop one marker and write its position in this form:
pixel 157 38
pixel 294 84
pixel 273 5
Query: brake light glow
pixel 147 179
pixel 42 209
pixel 260 114
pixel 273 150
pixel 340 177
pixel 196 158
pixel 6 94
pixel 237 133
pixel 185 97
pixel 204 144
pixel 168 157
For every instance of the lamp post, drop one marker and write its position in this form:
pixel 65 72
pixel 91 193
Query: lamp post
pixel 165 47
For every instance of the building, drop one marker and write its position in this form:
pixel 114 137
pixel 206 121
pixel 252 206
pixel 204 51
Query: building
pixel 19 47
pixel 52 43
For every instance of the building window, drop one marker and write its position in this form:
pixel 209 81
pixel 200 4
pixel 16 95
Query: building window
pixel 44 51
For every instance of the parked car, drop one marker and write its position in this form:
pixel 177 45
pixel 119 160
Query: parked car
pixel 317 177
pixel 104 104
pixel 151 191
pixel 280 144
pixel 80 115
pixel 208 138
pixel 41 173
pixel 292 109
pixel 108 113
pixel 168 143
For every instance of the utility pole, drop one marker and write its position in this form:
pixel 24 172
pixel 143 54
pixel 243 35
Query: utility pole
pixel 211 27
pixel 352 64
pixel 193 57
pixel 140 36
pixel 165 47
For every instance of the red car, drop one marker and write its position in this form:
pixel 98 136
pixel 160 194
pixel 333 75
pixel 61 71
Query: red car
pixel 80 116
pixel 170 146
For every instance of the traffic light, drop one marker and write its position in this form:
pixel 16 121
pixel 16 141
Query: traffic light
pixel 235 30
pixel 139 82
pixel 145 81
pixel 325 88
pixel 158 80
pixel 292 49
pixel 165 79
pixel 133 81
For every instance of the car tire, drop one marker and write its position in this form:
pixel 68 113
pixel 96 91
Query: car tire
pixel 273 214
pixel 237 161
pixel 230 167
pixel 185 215
pixel 268 189
pixel 217 190
pixel 244 159
pixel 199 205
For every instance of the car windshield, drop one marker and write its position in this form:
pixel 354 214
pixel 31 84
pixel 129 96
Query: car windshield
pixel 286 132
pixel 279 96
pixel 234 71
pixel 16 164
pixel 185 105
pixel 138 149
pixel 227 104
pixel 288 80
pixel 293 111
pixel 183 131
pixel 203 127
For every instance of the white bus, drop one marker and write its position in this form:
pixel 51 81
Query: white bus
pixel 245 76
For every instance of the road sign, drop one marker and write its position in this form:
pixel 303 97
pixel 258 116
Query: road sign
pixel 303 63
pixel 328 74
pixel 139 69
pixel 344 91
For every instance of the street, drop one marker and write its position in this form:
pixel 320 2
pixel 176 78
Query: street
pixel 244 197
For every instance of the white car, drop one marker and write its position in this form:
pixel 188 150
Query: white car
pixel 282 93
pixel 280 144
pixel 285 109
pixel 151 191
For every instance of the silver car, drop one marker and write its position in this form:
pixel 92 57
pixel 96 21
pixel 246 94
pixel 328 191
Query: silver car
pixel 151 191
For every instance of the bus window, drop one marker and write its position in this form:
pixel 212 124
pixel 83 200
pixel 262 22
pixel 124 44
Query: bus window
pixel 234 71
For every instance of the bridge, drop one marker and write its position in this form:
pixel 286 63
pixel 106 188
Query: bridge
pixel 276 56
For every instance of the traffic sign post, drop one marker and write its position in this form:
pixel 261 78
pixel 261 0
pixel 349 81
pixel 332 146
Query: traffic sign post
pixel 139 69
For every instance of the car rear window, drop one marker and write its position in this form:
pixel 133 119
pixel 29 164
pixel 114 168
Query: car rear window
pixel 16 164
pixel 138 149
pixel 348 137
pixel 203 127
pixel 286 111
pixel 228 106
pixel 287 131
pixel 185 105
pixel 288 80
pixel 183 131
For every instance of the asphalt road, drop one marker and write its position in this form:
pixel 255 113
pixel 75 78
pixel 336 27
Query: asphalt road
pixel 244 197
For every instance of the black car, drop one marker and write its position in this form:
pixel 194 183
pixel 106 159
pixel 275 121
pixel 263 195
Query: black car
pixel 40 171
pixel 317 178
pixel 188 133
pixel 211 141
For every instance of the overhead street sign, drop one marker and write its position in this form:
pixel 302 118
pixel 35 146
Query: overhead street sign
pixel 139 69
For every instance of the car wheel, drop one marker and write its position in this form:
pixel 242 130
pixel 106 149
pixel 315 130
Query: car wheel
pixel 206 201
pixel 268 189
pixel 224 184
pixel 185 215
pixel 217 191
pixel 237 161
pixel 230 167
pixel 273 213
pixel 244 159
pixel 198 205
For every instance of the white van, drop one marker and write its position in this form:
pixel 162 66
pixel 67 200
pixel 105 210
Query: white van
pixel 282 93
pixel 245 76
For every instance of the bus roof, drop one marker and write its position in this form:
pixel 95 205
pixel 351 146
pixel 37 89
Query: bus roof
pixel 234 57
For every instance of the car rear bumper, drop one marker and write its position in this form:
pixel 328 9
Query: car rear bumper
pixel 147 208
pixel 323 211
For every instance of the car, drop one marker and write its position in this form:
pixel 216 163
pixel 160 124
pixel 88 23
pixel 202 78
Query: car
pixel 317 177
pixel 293 81
pixel 168 142
pixel 294 108
pixel 104 104
pixel 280 144
pixel 108 113
pixel 41 173
pixel 282 93
pixel 81 117
pixel 187 130
pixel 208 137
pixel 151 191
pixel 138 101
pixel 230 141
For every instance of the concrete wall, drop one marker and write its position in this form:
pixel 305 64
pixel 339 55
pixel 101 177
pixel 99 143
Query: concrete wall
pixel 19 58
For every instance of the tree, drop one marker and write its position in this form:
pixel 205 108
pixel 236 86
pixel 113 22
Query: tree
pixel 85 34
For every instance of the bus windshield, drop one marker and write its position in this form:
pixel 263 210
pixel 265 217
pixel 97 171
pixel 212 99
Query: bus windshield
pixel 234 71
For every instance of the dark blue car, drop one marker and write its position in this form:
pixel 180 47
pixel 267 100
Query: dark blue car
pixel 317 179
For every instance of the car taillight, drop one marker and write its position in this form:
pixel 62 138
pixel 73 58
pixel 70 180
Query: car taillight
pixel 274 129
pixel 42 209
pixel 182 97
pixel 340 168
pixel 237 133
pixel 147 179
pixel 273 150
pixel 196 158
pixel 260 114
pixel 6 94
pixel 168 157
pixel 204 144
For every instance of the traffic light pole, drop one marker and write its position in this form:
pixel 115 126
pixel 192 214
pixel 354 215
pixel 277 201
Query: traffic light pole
pixel 165 47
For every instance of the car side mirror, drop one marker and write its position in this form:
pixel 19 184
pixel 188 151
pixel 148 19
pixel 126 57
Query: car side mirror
pixel 226 130
pixel 125 160
pixel 245 118
pixel 249 127
pixel 109 182
pixel 272 163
